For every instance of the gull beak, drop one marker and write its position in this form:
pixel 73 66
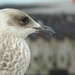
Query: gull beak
pixel 46 30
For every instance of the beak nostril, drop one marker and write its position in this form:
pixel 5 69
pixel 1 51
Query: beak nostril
pixel 35 28
pixel 44 27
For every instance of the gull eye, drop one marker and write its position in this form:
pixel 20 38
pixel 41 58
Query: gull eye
pixel 25 20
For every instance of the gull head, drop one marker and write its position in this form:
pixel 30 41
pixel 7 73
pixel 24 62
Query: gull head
pixel 14 22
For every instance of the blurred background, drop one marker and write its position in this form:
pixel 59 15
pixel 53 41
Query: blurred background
pixel 50 55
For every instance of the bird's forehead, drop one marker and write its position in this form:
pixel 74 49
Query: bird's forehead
pixel 13 17
pixel 13 12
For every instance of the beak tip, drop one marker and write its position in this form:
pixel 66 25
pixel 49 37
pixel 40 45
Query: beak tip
pixel 54 34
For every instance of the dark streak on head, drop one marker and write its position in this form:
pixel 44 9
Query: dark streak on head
pixel 16 18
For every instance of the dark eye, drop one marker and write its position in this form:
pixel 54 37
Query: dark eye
pixel 25 20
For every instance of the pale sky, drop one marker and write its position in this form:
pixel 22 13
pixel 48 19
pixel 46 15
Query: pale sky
pixel 2 2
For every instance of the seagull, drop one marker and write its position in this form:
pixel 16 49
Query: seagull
pixel 15 26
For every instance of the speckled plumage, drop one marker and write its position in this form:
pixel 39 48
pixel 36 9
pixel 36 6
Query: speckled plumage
pixel 14 56
pixel 15 26
pixel 14 51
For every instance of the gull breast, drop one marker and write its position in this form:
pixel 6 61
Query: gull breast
pixel 14 56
